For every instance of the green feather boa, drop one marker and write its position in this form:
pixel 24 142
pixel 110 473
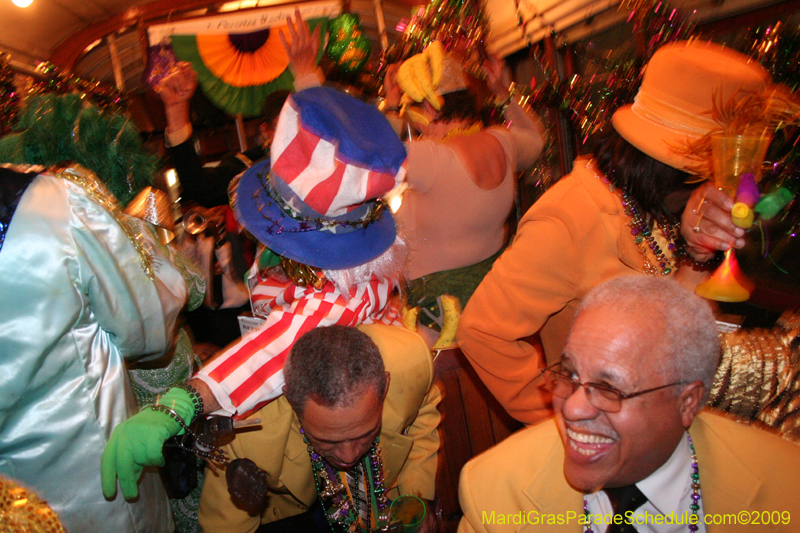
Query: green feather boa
pixel 63 128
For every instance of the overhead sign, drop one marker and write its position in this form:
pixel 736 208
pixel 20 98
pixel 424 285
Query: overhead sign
pixel 243 21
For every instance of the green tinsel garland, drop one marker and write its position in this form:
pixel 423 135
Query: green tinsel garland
pixel 64 127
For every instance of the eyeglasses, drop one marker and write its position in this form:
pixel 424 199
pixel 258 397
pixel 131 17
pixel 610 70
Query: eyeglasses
pixel 601 397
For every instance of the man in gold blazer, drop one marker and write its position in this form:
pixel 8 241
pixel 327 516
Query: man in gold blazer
pixel 408 437
pixel 628 443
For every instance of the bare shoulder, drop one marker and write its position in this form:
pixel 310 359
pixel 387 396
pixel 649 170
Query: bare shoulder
pixel 483 158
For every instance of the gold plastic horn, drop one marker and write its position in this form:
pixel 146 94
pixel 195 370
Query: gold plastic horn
pixel 153 205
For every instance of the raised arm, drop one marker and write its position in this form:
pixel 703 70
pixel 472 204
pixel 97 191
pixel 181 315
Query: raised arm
pixel 176 91
pixel 527 130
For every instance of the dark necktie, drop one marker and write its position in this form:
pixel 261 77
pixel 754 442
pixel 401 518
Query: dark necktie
pixel 623 500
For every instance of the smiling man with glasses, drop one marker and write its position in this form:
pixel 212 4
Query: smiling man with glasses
pixel 628 443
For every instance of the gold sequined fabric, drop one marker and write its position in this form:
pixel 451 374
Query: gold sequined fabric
pixel 21 511
pixel 759 376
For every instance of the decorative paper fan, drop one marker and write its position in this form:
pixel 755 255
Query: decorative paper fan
pixel 237 71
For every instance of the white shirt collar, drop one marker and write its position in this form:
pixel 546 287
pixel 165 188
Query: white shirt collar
pixel 673 478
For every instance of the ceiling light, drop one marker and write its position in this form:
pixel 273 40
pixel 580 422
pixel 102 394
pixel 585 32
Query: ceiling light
pixel 22 3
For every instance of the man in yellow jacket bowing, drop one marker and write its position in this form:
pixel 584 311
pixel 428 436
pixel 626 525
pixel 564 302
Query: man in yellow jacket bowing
pixel 355 429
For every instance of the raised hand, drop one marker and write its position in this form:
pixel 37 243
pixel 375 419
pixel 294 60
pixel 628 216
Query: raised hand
pixel 176 89
pixel 179 86
pixel 393 92
pixel 302 47
pixel 496 76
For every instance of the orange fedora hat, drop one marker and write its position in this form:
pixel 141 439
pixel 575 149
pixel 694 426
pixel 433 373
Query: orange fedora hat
pixel 673 107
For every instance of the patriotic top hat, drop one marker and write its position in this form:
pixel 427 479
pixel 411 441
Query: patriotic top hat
pixel 319 203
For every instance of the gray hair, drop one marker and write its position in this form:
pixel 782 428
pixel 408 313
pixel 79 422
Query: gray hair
pixel 679 325
pixel 334 365
pixel 387 265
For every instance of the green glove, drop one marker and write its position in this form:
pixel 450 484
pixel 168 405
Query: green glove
pixel 138 441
